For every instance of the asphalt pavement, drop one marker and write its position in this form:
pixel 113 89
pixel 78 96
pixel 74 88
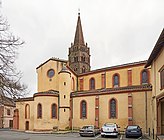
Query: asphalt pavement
pixel 17 135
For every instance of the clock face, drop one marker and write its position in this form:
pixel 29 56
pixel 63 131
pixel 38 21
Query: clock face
pixel 50 73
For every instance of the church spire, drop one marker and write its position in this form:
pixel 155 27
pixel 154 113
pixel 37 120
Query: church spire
pixel 79 52
pixel 79 39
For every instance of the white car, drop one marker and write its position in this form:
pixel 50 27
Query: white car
pixel 110 129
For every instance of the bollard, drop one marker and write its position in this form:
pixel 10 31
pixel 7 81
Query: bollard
pixel 153 133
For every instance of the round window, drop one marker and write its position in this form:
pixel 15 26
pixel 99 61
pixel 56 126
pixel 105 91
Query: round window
pixel 50 73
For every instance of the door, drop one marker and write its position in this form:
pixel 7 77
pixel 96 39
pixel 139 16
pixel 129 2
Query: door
pixel 27 125
pixel 162 118
pixel 10 123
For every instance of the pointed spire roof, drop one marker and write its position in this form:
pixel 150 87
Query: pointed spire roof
pixel 79 39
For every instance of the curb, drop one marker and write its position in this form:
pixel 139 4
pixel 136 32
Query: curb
pixel 42 132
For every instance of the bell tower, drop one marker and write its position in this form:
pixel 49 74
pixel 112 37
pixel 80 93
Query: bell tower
pixel 79 53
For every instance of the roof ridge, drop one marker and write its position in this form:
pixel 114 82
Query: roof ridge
pixel 116 66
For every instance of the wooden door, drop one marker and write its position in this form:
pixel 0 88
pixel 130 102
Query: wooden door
pixel 162 118
pixel 10 123
pixel 27 125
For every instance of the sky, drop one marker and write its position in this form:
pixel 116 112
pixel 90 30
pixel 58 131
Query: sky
pixel 117 31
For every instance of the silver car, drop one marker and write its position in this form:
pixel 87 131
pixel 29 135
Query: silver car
pixel 89 130
pixel 109 129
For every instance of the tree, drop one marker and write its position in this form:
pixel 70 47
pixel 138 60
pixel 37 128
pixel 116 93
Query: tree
pixel 10 84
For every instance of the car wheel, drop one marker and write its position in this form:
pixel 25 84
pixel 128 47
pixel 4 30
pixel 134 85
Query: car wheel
pixel 81 135
pixel 103 136
pixel 126 136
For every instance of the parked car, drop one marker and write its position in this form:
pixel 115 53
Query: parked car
pixel 110 129
pixel 89 130
pixel 133 131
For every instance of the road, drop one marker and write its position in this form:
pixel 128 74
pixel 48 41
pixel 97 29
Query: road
pixel 15 135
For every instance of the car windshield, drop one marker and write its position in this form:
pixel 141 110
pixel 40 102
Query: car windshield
pixel 110 125
pixel 87 127
pixel 132 127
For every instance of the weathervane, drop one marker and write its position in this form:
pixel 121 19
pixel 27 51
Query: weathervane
pixel 0 3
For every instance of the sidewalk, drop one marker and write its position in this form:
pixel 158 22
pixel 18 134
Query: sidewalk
pixel 52 132
pixel 161 137
pixel 147 136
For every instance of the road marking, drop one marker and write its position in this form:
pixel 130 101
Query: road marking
pixel 121 137
pixel 97 136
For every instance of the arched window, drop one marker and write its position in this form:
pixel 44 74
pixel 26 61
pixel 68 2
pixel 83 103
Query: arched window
pixel 162 78
pixel 76 59
pixel 27 111
pixel 39 111
pixel 75 69
pixel 54 111
pixel 92 83
pixel 83 109
pixel 116 80
pixel 83 69
pixel 73 84
pixel 82 58
pixel 144 77
pixel 112 108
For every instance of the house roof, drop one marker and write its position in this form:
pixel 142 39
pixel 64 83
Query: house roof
pixel 126 89
pixel 44 93
pixel 114 67
pixel 157 49
pixel 6 101
pixel 53 59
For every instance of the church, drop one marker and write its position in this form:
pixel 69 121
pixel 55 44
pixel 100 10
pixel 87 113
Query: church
pixel 71 95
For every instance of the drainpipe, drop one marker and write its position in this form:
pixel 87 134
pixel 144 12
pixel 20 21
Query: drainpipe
pixel 72 113
pixel 146 109
pixel 58 105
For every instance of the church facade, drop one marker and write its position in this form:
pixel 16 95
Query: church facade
pixel 71 95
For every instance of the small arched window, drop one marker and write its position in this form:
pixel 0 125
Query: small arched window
pixel 112 108
pixel 76 58
pixel 73 84
pixel 39 111
pixel 54 111
pixel 92 83
pixel 83 69
pixel 27 111
pixel 144 77
pixel 84 59
pixel 116 80
pixel 83 109
pixel 75 69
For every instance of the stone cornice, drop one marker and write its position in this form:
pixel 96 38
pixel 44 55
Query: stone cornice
pixel 127 89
